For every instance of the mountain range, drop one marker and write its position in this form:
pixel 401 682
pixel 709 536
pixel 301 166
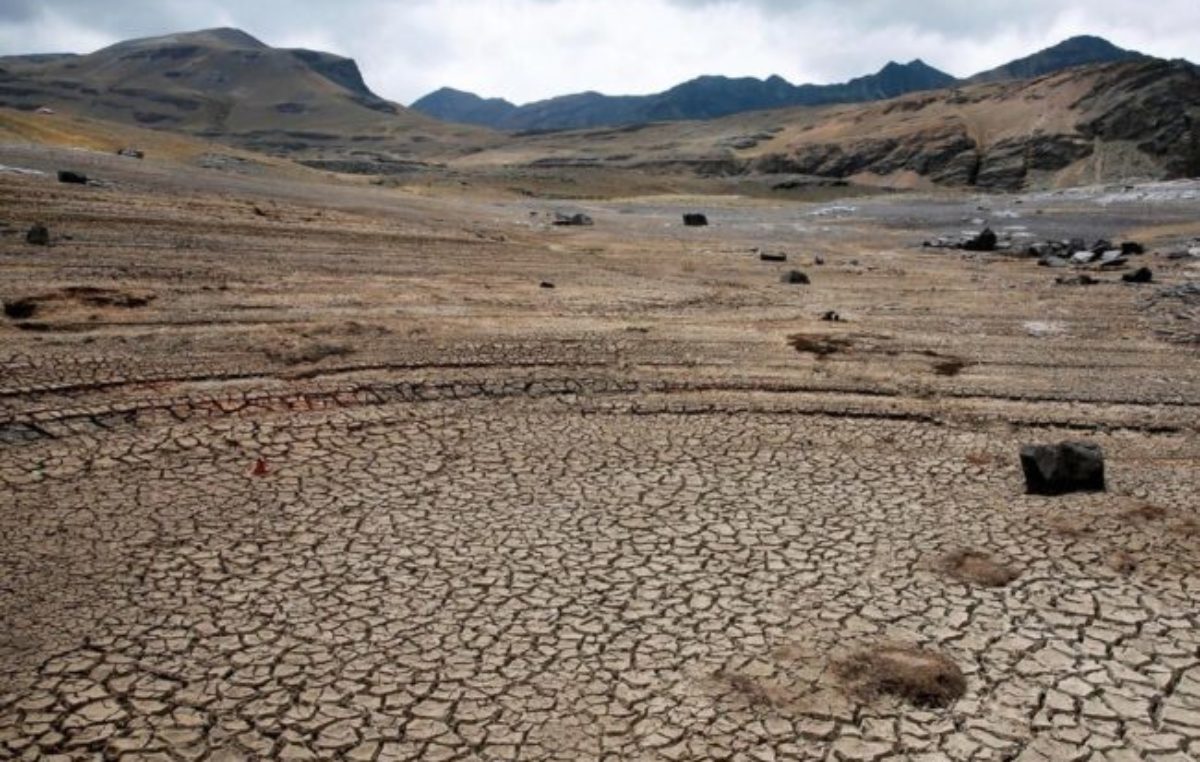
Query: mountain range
pixel 710 97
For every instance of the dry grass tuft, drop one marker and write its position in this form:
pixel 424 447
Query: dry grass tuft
pixel 307 353
pixel 976 568
pixel 924 678
pixel 821 346
pixel 750 690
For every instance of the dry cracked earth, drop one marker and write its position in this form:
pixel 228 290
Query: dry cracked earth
pixel 306 470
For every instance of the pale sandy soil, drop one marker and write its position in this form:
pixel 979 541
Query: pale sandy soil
pixel 620 518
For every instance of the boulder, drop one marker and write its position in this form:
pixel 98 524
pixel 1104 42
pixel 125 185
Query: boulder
pixel 695 220
pixel 38 235
pixel 1082 258
pixel 985 241
pixel 1141 275
pixel 795 277
pixel 1132 248
pixel 75 178
pixel 1063 468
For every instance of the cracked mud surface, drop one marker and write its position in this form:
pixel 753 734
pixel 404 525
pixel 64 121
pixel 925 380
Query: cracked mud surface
pixel 619 519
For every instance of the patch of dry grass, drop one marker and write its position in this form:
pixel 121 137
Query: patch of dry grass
pixel 924 678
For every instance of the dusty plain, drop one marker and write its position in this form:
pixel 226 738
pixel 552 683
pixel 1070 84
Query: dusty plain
pixel 297 467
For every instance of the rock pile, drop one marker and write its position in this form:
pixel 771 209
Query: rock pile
pixel 1076 252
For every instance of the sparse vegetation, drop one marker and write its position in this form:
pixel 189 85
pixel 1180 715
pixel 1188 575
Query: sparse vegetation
pixel 923 678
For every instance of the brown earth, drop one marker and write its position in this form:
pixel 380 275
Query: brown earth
pixel 351 484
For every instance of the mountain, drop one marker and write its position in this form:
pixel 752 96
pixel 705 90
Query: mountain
pixel 216 83
pixel 1076 51
pixel 452 105
pixel 701 98
pixel 1091 124
pixel 713 97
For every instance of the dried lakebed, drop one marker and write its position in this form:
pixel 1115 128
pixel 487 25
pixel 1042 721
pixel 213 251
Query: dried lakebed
pixel 354 486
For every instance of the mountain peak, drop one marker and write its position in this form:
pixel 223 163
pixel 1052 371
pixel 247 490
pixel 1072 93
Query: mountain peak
pixel 225 38
pixel 1075 51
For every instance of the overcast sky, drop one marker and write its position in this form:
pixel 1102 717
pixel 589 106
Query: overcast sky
pixel 530 49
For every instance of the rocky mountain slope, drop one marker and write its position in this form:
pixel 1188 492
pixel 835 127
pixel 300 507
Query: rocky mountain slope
pixel 217 83
pixel 1138 118
pixel 713 97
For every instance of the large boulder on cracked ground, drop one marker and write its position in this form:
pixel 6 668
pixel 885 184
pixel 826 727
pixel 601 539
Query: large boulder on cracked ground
pixel 1063 468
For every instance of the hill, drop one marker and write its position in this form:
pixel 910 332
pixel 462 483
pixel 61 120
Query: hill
pixel 222 84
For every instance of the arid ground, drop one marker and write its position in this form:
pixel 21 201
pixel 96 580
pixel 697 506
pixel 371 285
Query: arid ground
pixel 296 467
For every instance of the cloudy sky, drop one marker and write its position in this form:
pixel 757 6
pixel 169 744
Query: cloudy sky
pixel 530 49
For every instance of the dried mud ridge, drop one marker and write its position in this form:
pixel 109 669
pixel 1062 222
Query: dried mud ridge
pixel 684 541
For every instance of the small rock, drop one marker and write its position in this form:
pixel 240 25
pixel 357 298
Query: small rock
pixel 546 284
pixel 573 220
pixel 1063 468
pixel 1082 258
pixel 1076 280
pixel 75 178
pixel 1141 275
pixel 1053 261
pixel 831 317
pixel 1132 248
pixel 795 277
pixel 38 235
pixel 131 153
pixel 768 256
pixel 818 260
pixel 695 220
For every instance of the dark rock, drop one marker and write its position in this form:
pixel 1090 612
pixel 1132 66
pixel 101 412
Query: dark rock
pixel 1101 246
pixel 1063 468
pixel 985 241
pixel 546 284
pixel 1039 250
pixel 795 277
pixel 21 309
pixel 1076 280
pixel 767 256
pixel 131 153
pixel 818 260
pixel 1075 244
pixel 695 220
pixel 1132 248
pixel 76 178
pixel 1141 275
pixel 573 220
pixel 38 235
pixel 831 317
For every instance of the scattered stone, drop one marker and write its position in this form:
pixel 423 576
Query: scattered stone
pixel 75 178
pixel 1053 261
pixel 695 220
pixel 573 220
pixel 546 284
pixel 38 235
pixel 1111 260
pixel 767 256
pixel 131 153
pixel 1132 248
pixel 950 367
pixel 1082 258
pixel 1141 275
pixel 818 260
pixel 1082 279
pixel 924 678
pixel 1063 468
pixel 831 317
pixel 796 278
